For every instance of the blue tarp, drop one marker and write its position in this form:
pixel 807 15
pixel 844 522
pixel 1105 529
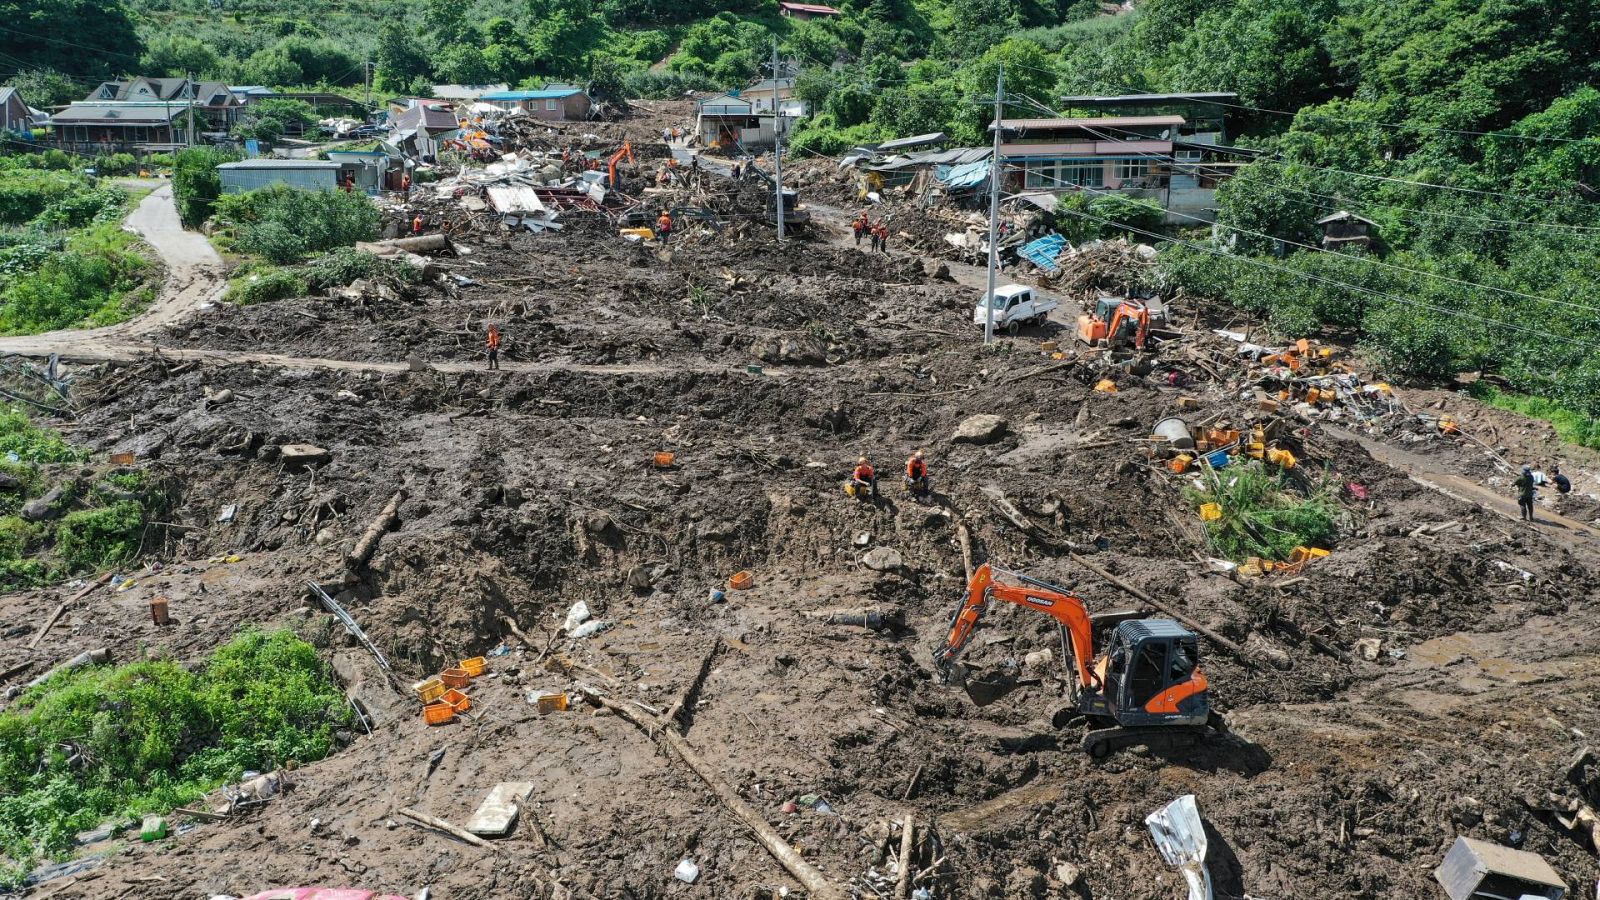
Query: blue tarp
pixel 964 176
pixel 1043 252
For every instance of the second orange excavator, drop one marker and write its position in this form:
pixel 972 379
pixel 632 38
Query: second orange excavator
pixel 1147 689
pixel 624 152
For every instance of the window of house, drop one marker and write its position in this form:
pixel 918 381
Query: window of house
pixel 550 105
pixel 1131 169
pixel 1083 173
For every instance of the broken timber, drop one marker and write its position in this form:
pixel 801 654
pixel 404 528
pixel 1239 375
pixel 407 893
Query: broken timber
pixel 1219 640
pixel 817 886
pixel 447 828
pixel 682 710
pixel 368 545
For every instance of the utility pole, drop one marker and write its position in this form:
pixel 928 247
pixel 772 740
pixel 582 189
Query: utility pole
pixel 994 206
pixel 777 141
pixel 189 77
pixel 367 67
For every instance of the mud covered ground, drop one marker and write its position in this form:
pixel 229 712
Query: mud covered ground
pixel 531 489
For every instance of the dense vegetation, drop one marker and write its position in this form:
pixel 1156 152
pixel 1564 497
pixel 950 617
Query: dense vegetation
pixel 90 522
pixel 118 741
pixel 1262 514
pixel 64 259
pixel 284 225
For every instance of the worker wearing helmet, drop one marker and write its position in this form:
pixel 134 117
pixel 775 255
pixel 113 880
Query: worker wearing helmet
pixel 917 474
pixel 664 226
pixel 864 479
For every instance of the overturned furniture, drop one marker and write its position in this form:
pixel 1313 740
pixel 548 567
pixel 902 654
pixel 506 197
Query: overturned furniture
pixel 1479 870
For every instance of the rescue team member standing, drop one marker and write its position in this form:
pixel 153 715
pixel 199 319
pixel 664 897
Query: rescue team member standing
pixel 416 224
pixel 1524 484
pixel 664 227
pixel 493 344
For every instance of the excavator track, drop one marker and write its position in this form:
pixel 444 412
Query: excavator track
pixel 1102 742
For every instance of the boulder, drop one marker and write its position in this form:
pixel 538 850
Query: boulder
pixel 882 559
pixel 50 505
pixel 984 428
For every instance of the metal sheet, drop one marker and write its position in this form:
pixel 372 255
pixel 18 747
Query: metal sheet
pixel 1181 837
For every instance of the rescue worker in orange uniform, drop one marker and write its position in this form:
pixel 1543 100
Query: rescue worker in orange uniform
pixel 493 343
pixel 865 480
pixel 917 474
pixel 416 224
pixel 664 226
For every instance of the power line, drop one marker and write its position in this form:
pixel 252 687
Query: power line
pixel 1363 259
pixel 1319 278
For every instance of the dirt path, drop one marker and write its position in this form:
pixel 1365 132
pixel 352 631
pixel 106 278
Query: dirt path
pixel 194 276
pixel 1433 474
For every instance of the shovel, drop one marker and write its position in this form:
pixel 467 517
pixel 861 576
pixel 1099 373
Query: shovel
pixel 1181 837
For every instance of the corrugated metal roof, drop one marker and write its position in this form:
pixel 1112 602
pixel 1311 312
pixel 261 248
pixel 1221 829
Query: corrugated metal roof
pixel 964 176
pixel 548 94
pixel 914 141
pixel 1099 122
pixel 514 199
pixel 810 7
pixel 289 164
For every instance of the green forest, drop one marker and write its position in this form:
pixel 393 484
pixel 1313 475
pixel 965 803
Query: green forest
pixel 1468 130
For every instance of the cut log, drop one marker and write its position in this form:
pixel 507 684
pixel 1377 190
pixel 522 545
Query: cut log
pixel 818 886
pixel 362 552
pixel 902 888
pixel 49 624
pixel 678 714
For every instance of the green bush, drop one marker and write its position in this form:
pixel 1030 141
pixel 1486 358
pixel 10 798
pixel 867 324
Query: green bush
pixel 1572 426
pixel 68 288
pixel 150 735
pixel 346 264
pixel 266 286
pixel 90 539
pixel 283 224
pixel 196 184
pixel 31 444
pixel 1262 515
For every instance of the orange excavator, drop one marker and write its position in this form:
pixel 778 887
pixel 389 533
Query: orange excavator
pixel 1116 322
pixel 626 151
pixel 1147 689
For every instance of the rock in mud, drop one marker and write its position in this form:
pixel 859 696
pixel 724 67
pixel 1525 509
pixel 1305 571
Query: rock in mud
pixel 882 559
pixel 49 506
pixel 293 455
pixel 984 428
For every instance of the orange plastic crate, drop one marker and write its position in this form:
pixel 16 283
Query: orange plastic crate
pixel 438 714
pixel 456 678
pixel 457 701
pixel 742 580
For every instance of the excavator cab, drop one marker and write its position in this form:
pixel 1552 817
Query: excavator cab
pixel 1151 676
pixel 1115 322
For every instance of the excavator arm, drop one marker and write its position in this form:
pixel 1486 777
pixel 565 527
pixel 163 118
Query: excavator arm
pixel 1140 314
pixel 626 151
pixel 1064 607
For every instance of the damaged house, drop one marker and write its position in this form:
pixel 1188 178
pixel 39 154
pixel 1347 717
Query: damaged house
pixel 421 128
pixel 558 103
pixel 1146 157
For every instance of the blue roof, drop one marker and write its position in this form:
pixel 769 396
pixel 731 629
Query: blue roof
pixel 550 94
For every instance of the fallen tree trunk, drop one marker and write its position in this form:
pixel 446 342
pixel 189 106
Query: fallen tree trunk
pixel 427 243
pixel 902 888
pixel 87 658
pixel 447 828
pixel 817 886
pixel 679 713
pixel 368 545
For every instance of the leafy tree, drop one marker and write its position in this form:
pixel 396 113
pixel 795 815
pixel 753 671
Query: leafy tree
pixel 44 88
pixel 967 28
pixel 179 55
pixel 90 37
pixel 399 61
pixel 271 67
pixel 269 120
pixel 196 185
pixel 1027 74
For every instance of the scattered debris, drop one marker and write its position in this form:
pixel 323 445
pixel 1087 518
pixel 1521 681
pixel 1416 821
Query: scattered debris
pixel 1181 838
pixel 1475 869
